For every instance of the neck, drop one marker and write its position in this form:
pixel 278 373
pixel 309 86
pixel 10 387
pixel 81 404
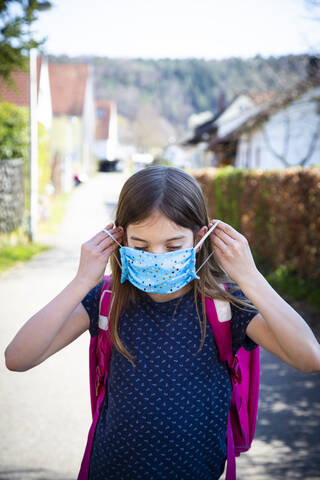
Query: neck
pixel 165 297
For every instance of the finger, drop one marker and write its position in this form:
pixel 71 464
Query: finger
pixel 225 237
pixel 227 228
pixel 112 231
pixel 108 241
pixel 219 244
pixel 110 250
pixel 100 234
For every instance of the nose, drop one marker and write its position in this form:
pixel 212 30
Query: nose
pixel 158 250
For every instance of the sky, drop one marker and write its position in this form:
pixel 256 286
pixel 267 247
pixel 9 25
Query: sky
pixel 210 29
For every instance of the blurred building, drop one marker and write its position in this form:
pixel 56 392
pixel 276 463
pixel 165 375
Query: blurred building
pixel 105 145
pixel 19 96
pixel 197 140
pixel 265 130
pixel 73 125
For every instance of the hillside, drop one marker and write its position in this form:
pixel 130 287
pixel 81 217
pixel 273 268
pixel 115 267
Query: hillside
pixel 173 89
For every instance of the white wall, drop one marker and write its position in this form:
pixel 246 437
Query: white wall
pixel 112 142
pixel 89 116
pixel 299 122
pixel 44 106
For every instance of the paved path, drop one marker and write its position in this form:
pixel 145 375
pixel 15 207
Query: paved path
pixel 287 441
pixel 45 412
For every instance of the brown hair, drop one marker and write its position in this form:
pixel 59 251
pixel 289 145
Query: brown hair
pixel 178 196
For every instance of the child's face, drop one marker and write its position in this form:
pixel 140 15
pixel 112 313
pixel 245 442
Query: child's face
pixel 158 234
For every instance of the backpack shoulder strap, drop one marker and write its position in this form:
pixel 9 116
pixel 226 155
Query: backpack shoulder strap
pixel 99 358
pixel 219 316
pixel 105 303
pixel 100 345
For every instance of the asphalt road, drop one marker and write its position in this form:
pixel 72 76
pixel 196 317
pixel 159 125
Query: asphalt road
pixel 45 412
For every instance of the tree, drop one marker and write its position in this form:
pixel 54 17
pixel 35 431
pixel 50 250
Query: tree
pixel 16 17
pixel 150 130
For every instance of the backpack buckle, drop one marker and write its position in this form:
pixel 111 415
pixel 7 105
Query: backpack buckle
pixel 99 380
pixel 235 370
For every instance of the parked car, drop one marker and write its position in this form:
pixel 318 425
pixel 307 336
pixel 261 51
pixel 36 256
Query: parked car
pixel 106 165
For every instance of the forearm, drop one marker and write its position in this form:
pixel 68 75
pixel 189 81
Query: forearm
pixel 37 334
pixel 292 332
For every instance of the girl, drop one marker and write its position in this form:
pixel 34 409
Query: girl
pixel 165 412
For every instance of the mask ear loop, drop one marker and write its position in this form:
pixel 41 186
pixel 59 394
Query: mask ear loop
pixel 201 242
pixel 115 240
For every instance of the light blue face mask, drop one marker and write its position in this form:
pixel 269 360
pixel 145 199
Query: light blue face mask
pixel 161 272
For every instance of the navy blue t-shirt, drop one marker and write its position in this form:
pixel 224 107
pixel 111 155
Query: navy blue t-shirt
pixel 166 418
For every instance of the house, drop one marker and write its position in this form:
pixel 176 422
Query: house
pixel 105 144
pixel 285 133
pixel 19 96
pixel 197 140
pixel 73 124
pixel 266 130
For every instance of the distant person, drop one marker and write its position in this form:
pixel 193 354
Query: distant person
pixel 76 179
pixel 165 411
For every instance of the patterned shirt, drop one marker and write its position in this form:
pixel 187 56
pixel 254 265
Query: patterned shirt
pixel 166 418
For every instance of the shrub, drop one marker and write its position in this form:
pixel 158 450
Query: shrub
pixel 14 128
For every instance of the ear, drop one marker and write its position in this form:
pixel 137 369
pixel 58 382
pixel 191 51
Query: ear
pixel 203 230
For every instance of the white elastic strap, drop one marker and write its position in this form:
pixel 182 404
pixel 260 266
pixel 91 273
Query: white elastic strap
pixel 115 256
pixel 206 235
pixel 204 261
pixel 110 235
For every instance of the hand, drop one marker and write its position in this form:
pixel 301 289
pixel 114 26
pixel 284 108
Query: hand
pixel 95 254
pixel 233 252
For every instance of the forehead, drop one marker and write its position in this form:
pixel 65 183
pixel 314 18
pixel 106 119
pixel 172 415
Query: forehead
pixel 156 224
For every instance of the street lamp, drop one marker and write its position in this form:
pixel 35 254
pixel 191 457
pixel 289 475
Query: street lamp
pixel 33 148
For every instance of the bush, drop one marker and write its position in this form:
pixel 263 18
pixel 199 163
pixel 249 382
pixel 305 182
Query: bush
pixel 278 212
pixel 14 128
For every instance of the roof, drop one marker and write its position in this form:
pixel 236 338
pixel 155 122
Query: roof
pixel 103 115
pixel 21 79
pixel 68 86
pixel 262 97
pixel 261 113
pixel 209 127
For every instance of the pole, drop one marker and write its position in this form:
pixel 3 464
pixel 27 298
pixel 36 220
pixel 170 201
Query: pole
pixel 33 153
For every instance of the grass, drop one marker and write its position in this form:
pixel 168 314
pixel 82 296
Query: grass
pixel 15 247
pixel 285 280
pixel 12 255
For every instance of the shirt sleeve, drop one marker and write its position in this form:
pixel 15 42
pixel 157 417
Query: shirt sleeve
pixel 91 304
pixel 239 322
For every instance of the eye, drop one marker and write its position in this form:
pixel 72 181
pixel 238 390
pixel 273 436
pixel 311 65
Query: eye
pixel 174 248
pixel 138 248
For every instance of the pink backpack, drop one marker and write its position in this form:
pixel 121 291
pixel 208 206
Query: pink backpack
pixel 244 369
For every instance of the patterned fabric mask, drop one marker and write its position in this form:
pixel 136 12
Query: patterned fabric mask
pixel 161 272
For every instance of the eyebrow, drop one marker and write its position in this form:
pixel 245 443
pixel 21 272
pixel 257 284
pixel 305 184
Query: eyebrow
pixel 168 239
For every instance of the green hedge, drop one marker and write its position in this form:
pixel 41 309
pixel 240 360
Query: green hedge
pixel 14 139
pixel 278 212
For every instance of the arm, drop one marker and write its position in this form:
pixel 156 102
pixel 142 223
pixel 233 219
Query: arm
pixel 46 332
pixel 64 318
pixel 278 327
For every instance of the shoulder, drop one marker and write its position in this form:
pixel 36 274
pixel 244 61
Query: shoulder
pixel 91 304
pixel 93 295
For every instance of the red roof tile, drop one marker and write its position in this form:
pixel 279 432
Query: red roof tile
pixel 21 79
pixel 68 85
